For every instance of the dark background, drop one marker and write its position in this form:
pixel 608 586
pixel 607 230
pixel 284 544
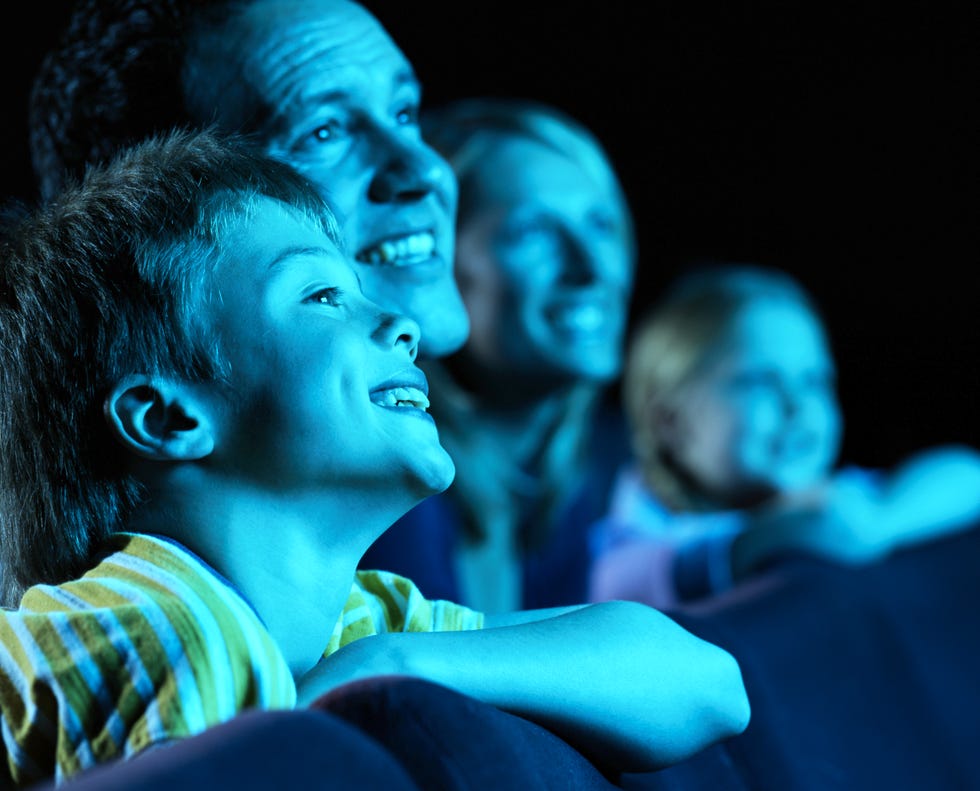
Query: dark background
pixel 836 142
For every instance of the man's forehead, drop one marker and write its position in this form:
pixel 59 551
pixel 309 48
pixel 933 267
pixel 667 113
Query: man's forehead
pixel 293 53
pixel 299 25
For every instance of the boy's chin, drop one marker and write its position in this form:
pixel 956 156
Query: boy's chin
pixel 436 473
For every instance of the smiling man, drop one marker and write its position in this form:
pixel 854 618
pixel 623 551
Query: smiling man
pixel 317 83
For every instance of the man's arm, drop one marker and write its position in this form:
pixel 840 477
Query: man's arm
pixel 618 680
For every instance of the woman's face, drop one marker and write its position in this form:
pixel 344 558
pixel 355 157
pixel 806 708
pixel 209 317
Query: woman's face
pixel 544 267
pixel 761 414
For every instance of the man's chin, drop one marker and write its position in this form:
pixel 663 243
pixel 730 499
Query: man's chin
pixel 440 339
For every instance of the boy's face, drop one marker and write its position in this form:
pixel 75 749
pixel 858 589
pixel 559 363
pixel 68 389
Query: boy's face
pixel 544 266
pixel 323 86
pixel 326 392
pixel 762 415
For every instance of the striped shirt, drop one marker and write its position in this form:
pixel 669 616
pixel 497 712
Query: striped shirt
pixel 152 645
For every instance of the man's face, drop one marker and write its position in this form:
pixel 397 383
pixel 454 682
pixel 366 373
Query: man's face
pixel 762 416
pixel 324 87
pixel 544 267
pixel 326 391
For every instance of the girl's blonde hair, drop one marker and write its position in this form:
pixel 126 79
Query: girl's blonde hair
pixel 669 344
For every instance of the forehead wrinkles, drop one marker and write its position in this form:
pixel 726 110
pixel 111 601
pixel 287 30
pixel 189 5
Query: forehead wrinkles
pixel 298 61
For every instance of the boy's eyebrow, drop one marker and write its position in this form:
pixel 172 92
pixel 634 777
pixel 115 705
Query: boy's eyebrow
pixel 296 251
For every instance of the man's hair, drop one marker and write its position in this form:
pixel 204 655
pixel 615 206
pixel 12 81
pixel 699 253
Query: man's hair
pixel 105 280
pixel 114 78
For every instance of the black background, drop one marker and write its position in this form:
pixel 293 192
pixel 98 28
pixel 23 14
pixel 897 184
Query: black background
pixel 838 142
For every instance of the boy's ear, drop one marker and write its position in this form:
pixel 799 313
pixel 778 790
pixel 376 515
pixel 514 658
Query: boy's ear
pixel 160 419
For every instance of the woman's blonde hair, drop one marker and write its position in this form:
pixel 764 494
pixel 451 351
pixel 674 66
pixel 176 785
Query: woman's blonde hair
pixel 487 483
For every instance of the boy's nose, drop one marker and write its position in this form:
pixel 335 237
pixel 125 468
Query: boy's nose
pixel 397 330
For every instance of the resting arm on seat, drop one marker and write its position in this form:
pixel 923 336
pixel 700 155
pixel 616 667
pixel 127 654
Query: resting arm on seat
pixel 620 681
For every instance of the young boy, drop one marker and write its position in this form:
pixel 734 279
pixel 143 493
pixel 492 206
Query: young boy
pixel 205 424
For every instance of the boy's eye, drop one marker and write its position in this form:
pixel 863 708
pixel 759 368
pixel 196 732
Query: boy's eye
pixel 326 296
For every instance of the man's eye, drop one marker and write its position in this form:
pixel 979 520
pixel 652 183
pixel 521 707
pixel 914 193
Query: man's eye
pixel 327 296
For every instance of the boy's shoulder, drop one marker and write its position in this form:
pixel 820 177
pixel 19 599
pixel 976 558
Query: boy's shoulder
pixel 147 646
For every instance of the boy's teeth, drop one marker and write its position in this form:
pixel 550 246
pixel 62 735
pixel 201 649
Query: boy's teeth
pixel 402 397
pixel 402 251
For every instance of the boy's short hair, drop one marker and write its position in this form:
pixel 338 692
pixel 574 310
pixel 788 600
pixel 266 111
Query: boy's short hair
pixel 103 281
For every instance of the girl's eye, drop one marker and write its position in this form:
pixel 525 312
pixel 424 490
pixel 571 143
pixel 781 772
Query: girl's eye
pixel 528 228
pixel 408 115
pixel 326 296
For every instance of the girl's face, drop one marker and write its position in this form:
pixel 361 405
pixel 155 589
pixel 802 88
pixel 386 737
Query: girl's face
pixel 544 268
pixel 760 416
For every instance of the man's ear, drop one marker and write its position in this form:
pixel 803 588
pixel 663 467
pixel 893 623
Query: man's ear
pixel 160 419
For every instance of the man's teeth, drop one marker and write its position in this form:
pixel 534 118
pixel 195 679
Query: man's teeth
pixel 401 397
pixel 403 251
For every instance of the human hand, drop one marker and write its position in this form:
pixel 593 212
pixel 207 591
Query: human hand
pixel 838 520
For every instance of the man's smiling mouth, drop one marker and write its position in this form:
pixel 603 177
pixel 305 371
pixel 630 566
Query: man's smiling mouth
pixel 413 248
pixel 402 396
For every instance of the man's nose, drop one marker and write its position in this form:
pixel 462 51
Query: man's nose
pixel 408 170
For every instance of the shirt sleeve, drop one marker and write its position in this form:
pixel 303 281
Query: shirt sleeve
pixel 102 668
pixel 382 602
pixel 78 689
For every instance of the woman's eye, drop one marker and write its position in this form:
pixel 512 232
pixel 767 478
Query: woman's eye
pixel 604 223
pixel 326 296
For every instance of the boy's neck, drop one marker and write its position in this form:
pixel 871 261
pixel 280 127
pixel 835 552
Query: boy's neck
pixel 293 557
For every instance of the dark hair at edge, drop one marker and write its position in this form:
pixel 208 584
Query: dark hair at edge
pixel 114 77
pixel 105 280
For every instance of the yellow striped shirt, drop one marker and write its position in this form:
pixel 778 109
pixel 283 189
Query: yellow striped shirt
pixel 151 645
